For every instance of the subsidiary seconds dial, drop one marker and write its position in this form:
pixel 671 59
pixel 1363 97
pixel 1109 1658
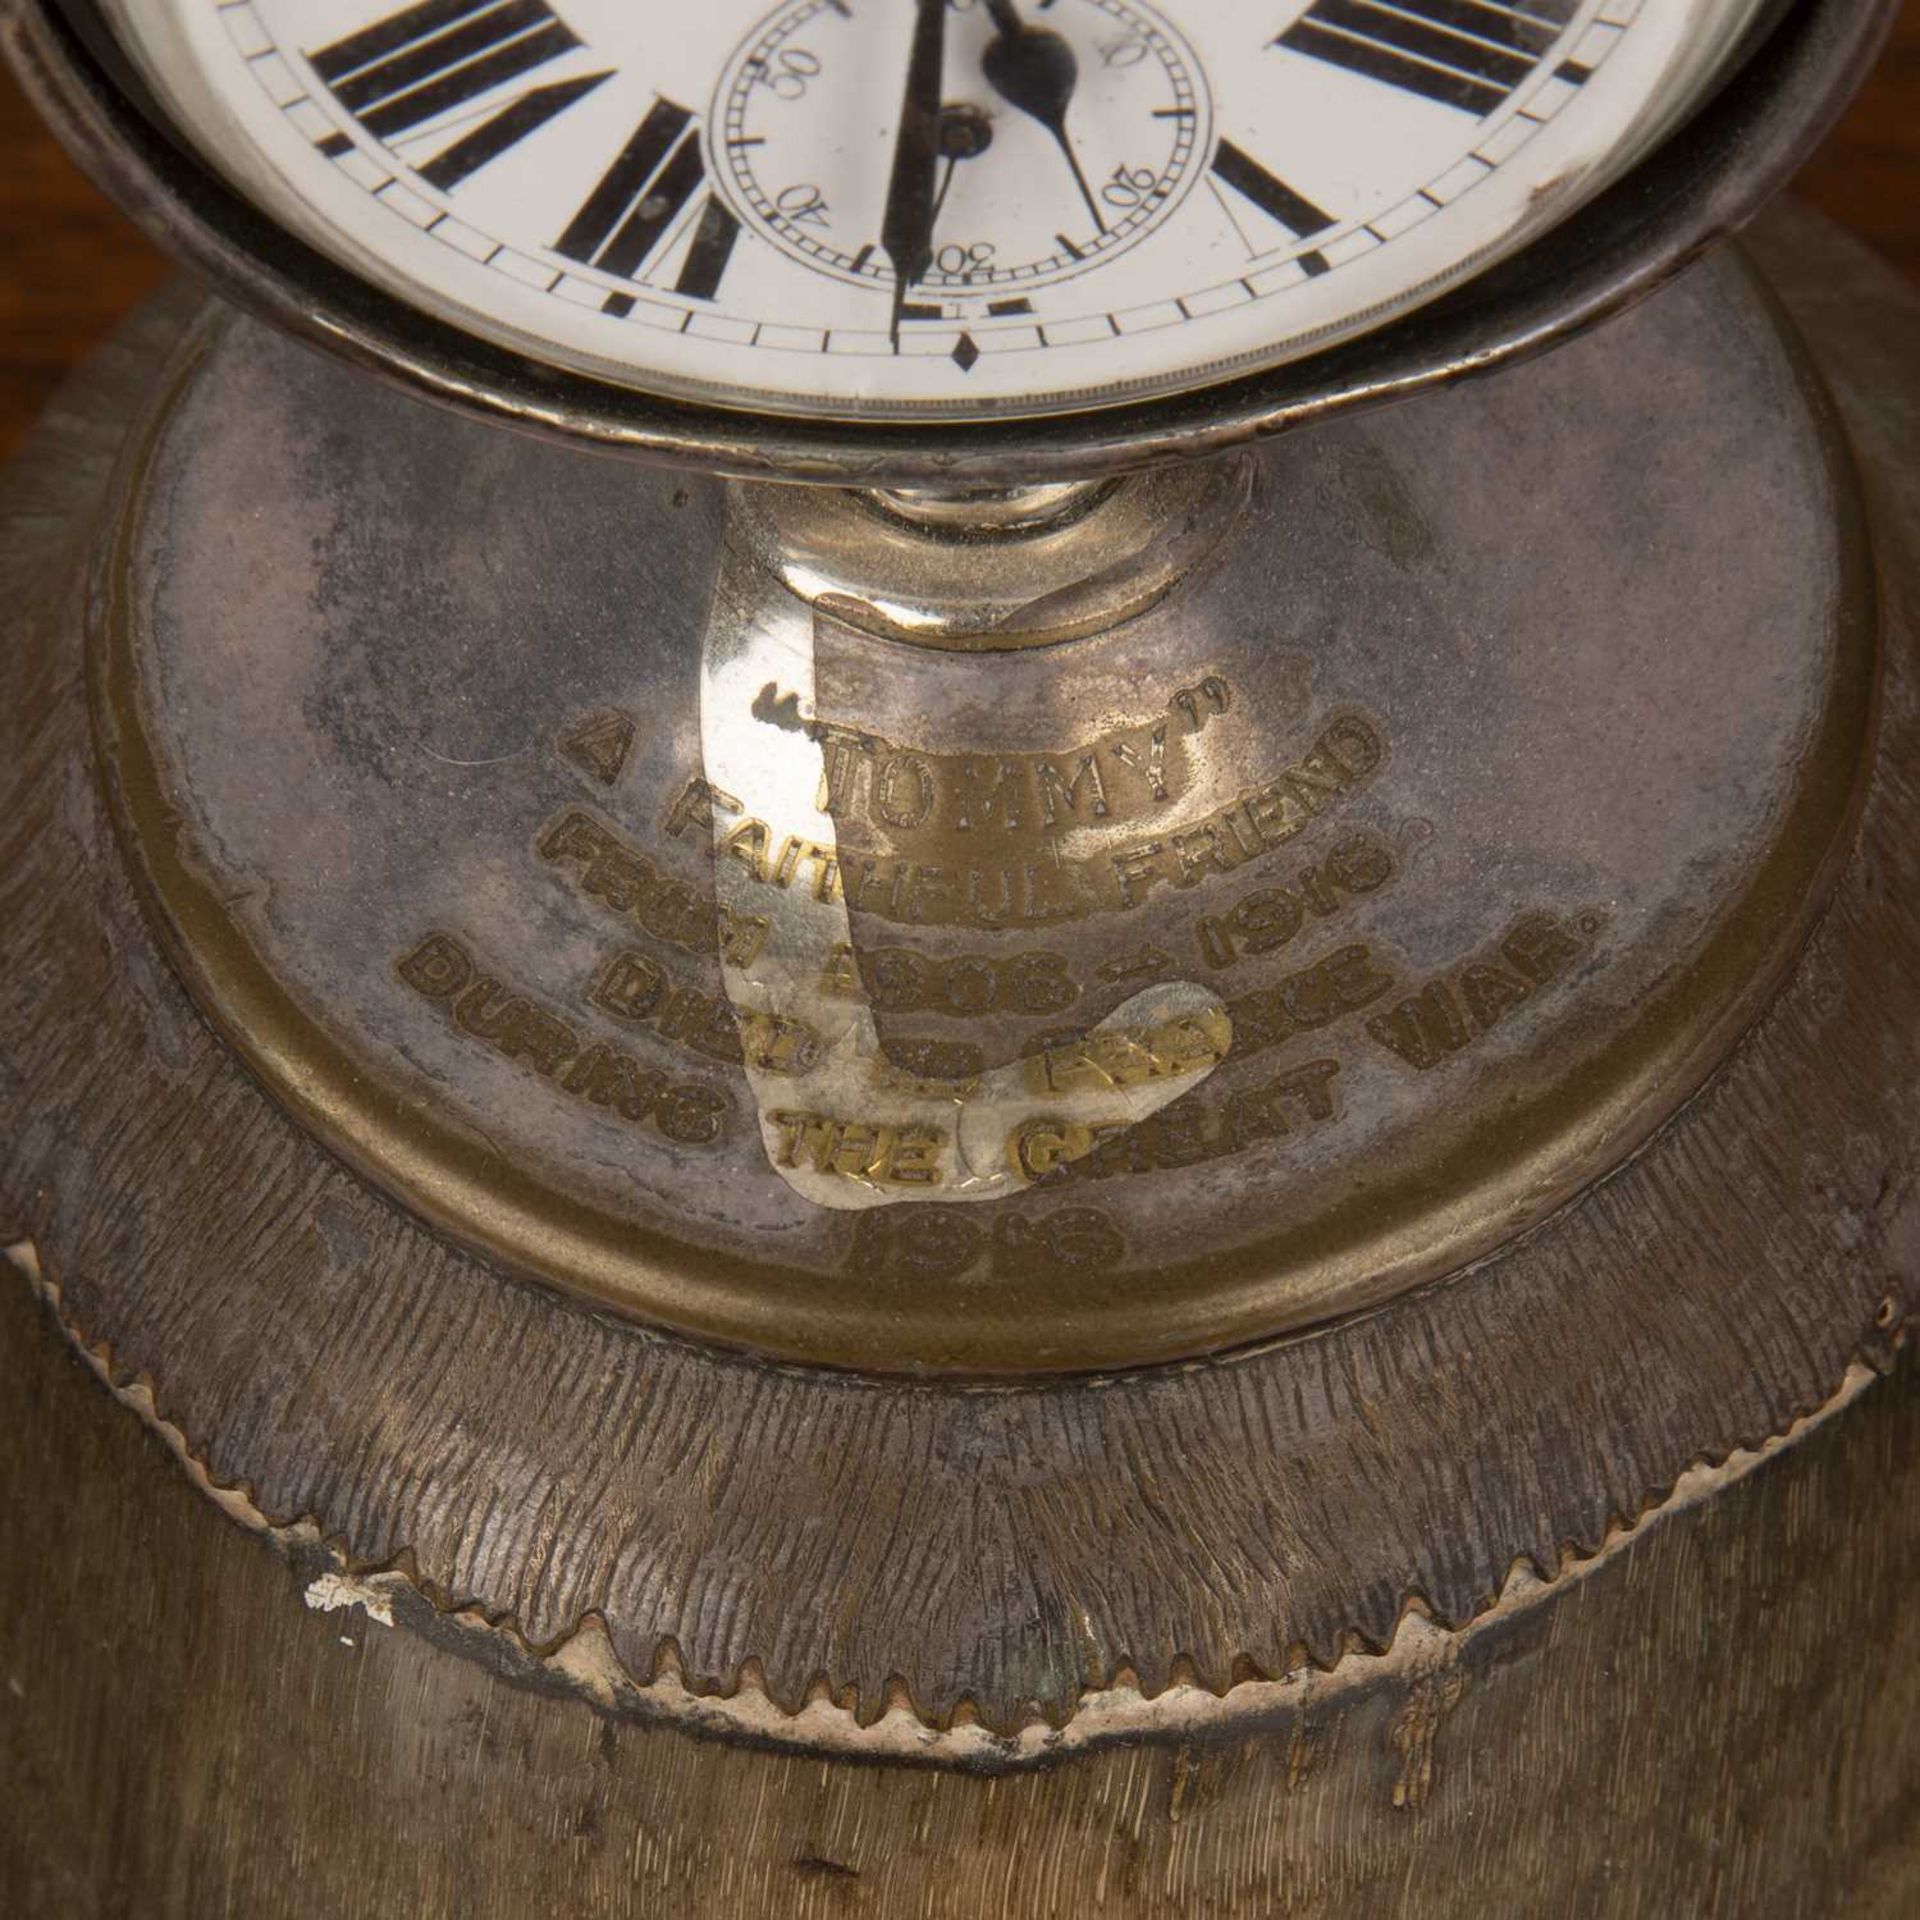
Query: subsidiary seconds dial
pixel 1060 140
pixel 921 209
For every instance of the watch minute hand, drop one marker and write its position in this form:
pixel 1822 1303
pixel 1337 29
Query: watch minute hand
pixel 906 225
pixel 1033 68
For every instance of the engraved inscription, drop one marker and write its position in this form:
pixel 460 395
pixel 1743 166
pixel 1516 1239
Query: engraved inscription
pixel 636 988
pixel 1348 751
pixel 1050 1152
pixel 1117 1056
pixel 876 1151
pixel 1213 694
pixel 1306 1000
pixel 1270 918
pixel 1051 886
pixel 629 886
pixel 440 969
pixel 1144 963
pixel 1126 774
pixel 599 744
pixel 941 1243
pixel 1454 1009
pixel 922 1067
pixel 905 980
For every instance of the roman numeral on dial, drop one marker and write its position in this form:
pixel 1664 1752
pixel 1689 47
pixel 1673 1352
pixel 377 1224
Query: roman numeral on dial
pixel 1468 54
pixel 406 74
pixel 624 222
pixel 1278 201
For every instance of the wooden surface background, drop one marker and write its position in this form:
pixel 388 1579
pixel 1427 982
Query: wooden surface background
pixel 1718 1719
pixel 70 265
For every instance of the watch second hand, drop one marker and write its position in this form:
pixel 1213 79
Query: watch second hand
pixel 906 225
pixel 1033 68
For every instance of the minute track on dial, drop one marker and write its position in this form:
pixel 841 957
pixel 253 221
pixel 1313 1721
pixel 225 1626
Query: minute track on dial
pixel 1087 130
pixel 410 75
pixel 694 205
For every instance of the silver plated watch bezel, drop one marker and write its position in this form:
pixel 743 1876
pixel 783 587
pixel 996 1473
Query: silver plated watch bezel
pixel 1783 91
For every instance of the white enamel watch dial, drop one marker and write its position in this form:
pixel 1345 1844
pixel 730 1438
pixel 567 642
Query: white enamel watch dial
pixel 922 208
pixel 1141 117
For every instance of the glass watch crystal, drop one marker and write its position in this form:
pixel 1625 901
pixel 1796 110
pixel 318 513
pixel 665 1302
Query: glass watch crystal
pixel 922 209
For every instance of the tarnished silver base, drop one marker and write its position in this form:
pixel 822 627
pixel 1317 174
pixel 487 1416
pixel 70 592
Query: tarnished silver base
pixel 412 745
pixel 537 830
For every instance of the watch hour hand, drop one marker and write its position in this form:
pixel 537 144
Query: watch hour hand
pixel 1033 68
pixel 906 225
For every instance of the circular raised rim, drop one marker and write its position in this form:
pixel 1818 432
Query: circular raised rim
pixel 1377 1247
pixel 1695 188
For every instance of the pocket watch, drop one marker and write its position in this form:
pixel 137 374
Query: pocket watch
pixel 788 213
pixel 837 919
pixel 872 938
pixel 1040 245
